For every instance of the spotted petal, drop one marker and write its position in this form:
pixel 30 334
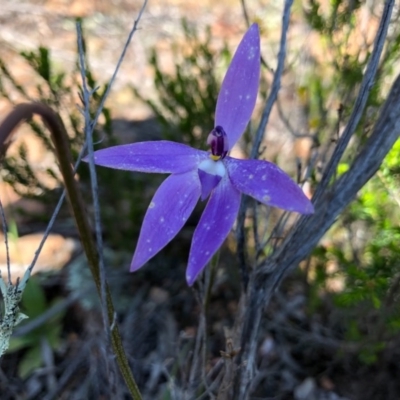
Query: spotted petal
pixel 155 156
pixel 238 93
pixel 268 184
pixel 168 211
pixel 213 228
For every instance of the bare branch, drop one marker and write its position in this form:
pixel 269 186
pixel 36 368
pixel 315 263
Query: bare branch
pixel 361 101
pixel 276 84
pixel 96 206
pixel 309 229
pixel 240 235
pixel 5 230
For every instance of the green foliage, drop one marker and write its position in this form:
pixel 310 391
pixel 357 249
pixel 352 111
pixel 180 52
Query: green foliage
pixel 370 270
pixel 339 16
pixel 34 304
pixel 358 270
pixel 333 80
pixel 52 90
pixel 41 63
pixel 186 98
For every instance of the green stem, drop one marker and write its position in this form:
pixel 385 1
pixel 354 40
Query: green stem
pixel 23 112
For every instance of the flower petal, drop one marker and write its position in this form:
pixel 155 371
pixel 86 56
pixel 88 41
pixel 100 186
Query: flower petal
pixel 155 156
pixel 168 211
pixel 238 93
pixel 213 228
pixel 210 174
pixel 268 184
pixel 208 183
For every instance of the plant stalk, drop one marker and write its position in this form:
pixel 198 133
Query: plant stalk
pixel 52 120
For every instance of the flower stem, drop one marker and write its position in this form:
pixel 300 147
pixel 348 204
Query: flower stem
pixel 23 112
pixel 212 271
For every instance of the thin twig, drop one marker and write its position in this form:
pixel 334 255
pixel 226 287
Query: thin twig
pixel 121 58
pixel 95 194
pixel 89 127
pixel 200 292
pixel 247 19
pixel 5 230
pixel 23 112
pixel 245 13
pixel 69 371
pixel 240 235
pixel 361 100
pixel 19 115
pixel 309 229
pixel 276 83
pixel 289 126
pixel 48 229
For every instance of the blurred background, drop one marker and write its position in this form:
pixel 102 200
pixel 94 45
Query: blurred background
pixel 331 331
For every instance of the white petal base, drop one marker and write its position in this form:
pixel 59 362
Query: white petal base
pixel 213 167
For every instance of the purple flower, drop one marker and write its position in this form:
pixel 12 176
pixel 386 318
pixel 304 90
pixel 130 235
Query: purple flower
pixel 200 174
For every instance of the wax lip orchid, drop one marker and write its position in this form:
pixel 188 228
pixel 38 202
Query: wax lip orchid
pixel 200 174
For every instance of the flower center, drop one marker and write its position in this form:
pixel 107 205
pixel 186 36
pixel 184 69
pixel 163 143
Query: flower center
pixel 218 141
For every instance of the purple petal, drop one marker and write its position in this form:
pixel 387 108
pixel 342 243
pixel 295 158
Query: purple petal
pixel 208 183
pixel 213 228
pixel 268 184
pixel 238 93
pixel 168 211
pixel 154 156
